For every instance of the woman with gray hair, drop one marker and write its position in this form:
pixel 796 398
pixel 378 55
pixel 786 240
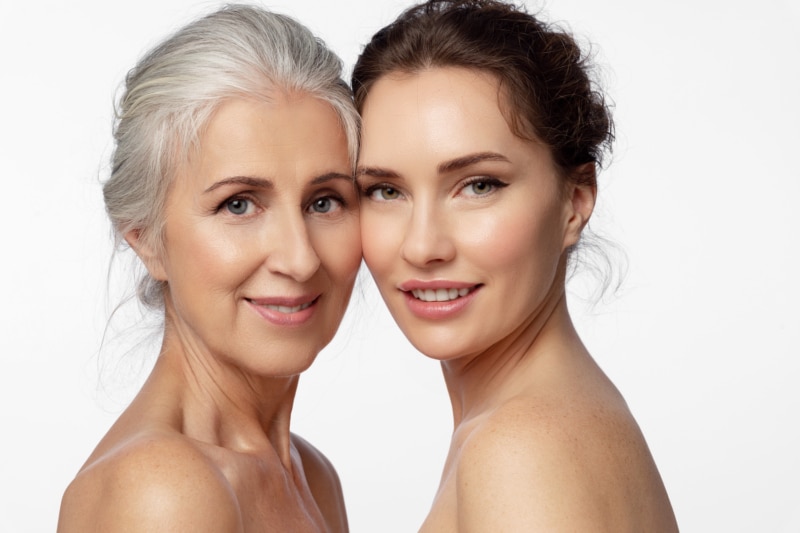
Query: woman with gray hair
pixel 251 244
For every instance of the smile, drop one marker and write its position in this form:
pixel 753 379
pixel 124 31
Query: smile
pixel 286 309
pixel 439 295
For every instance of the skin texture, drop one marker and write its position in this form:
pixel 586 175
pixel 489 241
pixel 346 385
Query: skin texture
pixel 542 440
pixel 255 218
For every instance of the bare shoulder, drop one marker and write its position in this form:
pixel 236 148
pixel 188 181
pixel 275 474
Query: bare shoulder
pixel 324 484
pixel 152 482
pixel 543 463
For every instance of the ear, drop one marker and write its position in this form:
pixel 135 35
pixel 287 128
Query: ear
pixel 580 205
pixel 152 261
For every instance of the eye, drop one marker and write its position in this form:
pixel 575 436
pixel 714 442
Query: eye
pixel 383 193
pixel 325 204
pixel 482 186
pixel 238 206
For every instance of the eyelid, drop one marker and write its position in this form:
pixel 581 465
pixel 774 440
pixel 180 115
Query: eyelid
pixel 256 205
pixel 370 190
pixel 489 180
pixel 331 195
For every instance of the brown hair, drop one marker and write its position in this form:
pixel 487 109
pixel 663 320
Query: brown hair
pixel 542 72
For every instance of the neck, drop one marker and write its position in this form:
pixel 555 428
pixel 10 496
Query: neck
pixel 219 403
pixel 480 382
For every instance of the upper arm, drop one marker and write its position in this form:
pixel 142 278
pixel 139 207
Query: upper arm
pixel 153 486
pixel 324 484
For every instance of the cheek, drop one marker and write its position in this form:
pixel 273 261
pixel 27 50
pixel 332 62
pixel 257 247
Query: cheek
pixel 381 237
pixel 512 240
pixel 211 257
pixel 339 249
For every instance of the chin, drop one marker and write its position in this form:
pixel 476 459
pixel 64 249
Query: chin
pixel 439 347
pixel 285 362
pixel 291 369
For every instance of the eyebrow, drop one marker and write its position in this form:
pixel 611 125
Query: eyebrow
pixel 375 172
pixel 470 159
pixel 259 183
pixel 443 168
pixel 264 183
pixel 330 176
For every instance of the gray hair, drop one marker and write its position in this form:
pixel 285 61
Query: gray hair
pixel 169 96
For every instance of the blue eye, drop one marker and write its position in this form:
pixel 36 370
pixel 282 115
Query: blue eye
pixel 237 206
pixel 324 204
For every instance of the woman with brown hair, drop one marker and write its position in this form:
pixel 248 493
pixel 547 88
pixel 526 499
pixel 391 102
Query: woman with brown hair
pixel 481 138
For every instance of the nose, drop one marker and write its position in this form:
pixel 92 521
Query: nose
pixel 427 240
pixel 291 251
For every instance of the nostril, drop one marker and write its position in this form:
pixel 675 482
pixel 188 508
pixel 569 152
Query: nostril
pixel 426 247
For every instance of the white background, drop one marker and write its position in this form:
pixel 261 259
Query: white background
pixel 702 194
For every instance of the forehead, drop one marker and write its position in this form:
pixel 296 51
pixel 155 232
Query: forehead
pixel 287 123
pixel 443 110
pixel 292 134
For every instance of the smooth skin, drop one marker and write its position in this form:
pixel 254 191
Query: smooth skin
pixel 457 208
pixel 261 249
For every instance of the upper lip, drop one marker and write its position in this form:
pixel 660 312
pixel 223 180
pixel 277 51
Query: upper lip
pixel 285 301
pixel 414 284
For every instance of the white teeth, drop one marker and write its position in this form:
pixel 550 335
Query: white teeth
pixel 285 309
pixel 439 295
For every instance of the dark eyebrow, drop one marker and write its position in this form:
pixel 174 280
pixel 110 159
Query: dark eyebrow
pixel 259 183
pixel 443 168
pixel 471 159
pixel 375 172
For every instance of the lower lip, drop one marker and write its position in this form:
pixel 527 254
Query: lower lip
pixel 438 310
pixel 298 318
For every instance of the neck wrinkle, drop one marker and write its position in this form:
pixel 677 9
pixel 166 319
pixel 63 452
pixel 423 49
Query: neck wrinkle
pixel 224 405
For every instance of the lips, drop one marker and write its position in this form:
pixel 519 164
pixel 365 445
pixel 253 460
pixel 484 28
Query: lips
pixel 285 304
pixel 286 308
pixel 285 311
pixel 439 295
pixel 439 299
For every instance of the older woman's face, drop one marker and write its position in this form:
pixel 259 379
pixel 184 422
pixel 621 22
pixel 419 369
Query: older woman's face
pixel 463 223
pixel 262 237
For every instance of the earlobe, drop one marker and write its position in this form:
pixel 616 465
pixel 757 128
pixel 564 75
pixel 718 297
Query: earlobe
pixel 152 260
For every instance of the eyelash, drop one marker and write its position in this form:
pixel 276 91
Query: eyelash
pixel 238 197
pixel 342 204
pixel 372 189
pixel 487 180
pixel 334 197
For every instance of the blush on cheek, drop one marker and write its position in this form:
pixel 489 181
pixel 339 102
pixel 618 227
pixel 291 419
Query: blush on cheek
pixel 516 245
pixel 499 240
pixel 379 247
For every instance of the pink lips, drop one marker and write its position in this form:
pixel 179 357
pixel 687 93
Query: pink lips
pixel 285 311
pixel 438 299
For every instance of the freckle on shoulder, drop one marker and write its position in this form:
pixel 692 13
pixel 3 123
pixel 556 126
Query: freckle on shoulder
pixel 547 431
pixel 543 459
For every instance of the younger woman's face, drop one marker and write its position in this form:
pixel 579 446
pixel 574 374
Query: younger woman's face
pixel 261 237
pixel 463 223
